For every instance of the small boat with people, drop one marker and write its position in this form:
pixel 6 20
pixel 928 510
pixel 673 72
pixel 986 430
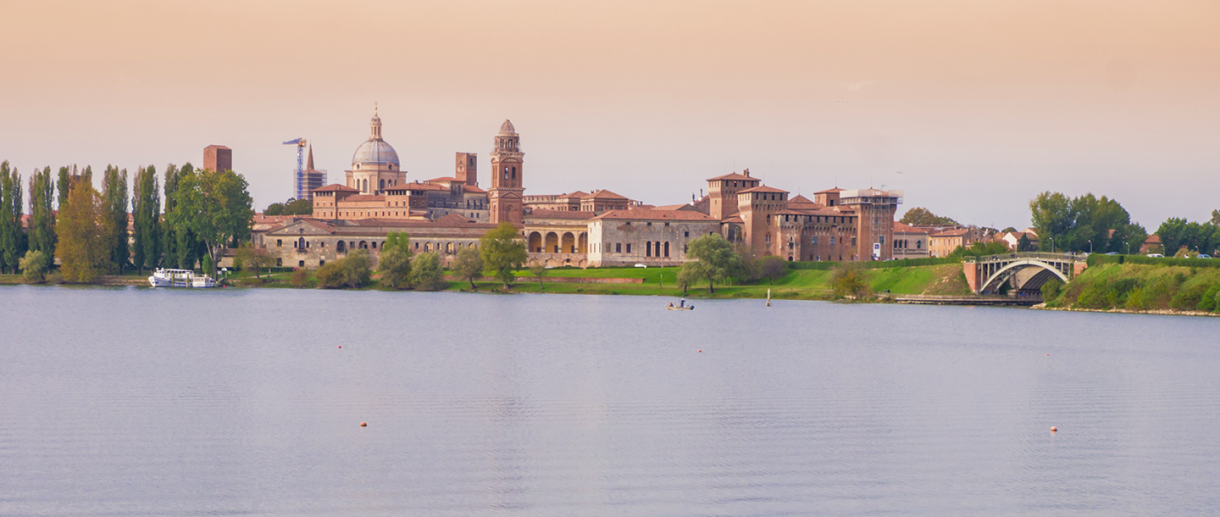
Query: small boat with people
pixel 681 306
pixel 180 278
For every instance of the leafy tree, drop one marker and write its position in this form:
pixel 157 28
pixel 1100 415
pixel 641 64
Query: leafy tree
pixel 1176 234
pixel 980 249
pixel 1215 218
pixel 772 268
pixel 686 277
pixel 300 277
pixel 1024 244
pixel 468 265
pixel 34 267
pixel 920 216
pixel 63 185
pixel 1051 289
pixel 170 235
pixel 1009 230
pixel 291 207
pixel 1081 224
pixel 253 257
pixel 114 191
pixel 351 271
pixel 849 279
pixel 539 270
pixel 503 252
pixel 85 229
pixel 41 232
pixel 146 220
pixel 400 240
pixel 426 274
pixel 715 260
pixel 12 239
pixel 395 267
pixel 750 263
pixel 215 207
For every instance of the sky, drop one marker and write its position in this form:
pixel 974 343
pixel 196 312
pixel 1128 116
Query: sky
pixel 970 107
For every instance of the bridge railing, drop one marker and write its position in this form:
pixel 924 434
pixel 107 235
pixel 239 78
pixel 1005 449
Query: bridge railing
pixel 1040 255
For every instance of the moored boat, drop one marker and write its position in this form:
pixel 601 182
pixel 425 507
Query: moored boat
pixel 180 278
pixel 681 306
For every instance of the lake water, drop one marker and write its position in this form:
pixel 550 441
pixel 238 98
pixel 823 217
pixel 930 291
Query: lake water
pixel 133 401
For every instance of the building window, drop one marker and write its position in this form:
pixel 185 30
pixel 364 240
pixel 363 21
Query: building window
pixel 814 241
pixel 321 263
pixel 301 263
pixel 279 243
pixel 628 247
pixel 686 234
pixel 648 250
pixel 832 240
pixel 618 247
pixel 667 248
pixel 279 262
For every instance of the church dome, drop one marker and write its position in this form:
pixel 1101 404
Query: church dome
pixel 507 128
pixel 375 151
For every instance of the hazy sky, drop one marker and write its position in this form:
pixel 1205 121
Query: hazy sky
pixel 980 104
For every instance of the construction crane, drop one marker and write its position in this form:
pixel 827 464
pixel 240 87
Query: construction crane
pixel 298 187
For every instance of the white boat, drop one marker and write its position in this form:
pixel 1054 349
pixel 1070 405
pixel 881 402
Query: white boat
pixel 179 278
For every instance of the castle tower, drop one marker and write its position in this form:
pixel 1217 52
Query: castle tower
pixel 466 169
pixel 505 195
pixel 758 206
pixel 875 221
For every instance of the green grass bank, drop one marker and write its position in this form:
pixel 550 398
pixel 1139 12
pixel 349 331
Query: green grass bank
pixel 1144 286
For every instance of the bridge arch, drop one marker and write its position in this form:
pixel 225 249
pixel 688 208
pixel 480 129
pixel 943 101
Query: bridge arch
pixel 995 280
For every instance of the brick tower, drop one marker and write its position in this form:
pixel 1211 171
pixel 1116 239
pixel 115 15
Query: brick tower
pixel 466 169
pixel 506 191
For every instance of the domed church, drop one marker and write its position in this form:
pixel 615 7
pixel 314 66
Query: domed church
pixel 375 166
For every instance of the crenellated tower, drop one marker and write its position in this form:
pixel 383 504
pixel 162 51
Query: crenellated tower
pixel 506 192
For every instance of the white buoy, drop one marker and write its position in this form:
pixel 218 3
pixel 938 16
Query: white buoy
pixel 768 297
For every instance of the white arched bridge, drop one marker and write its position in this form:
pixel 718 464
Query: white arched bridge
pixel 1024 273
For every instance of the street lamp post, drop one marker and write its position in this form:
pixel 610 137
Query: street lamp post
pixel 1052 244
pixel 1090 247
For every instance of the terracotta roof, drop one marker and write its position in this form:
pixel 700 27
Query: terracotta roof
pixel 761 188
pixel 1153 239
pixel 655 215
pixel 559 214
pixel 735 218
pixel 474 189
pixel 335 187
pixel 602 194
pixel 905 228
pixel 444 179
pixel 684 206
pixel 799 199
pixel 829 191
pixel 420 186
pixel 952 233
pixel 733 176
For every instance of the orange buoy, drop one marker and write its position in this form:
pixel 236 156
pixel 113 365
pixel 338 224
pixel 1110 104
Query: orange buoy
pixel 1054 429
pixel 364 424
pixel 340 346
pixel 700 350
pixel 1048 355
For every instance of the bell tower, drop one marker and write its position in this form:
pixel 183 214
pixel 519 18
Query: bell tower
pixel 505 195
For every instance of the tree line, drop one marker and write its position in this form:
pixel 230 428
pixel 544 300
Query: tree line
pixel 1090 224
pixel 188 222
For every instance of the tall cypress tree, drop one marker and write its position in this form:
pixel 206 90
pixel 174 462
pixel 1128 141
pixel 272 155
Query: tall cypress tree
pixel 64 185
pixel 146 219
pixel 169 234
pixel 41 231
pixel 114 183
pixel 12 239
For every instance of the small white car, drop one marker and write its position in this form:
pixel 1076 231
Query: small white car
pixel 642 265
pixel 1156 255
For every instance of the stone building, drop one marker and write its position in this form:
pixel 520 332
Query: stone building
pixel 643 236
pixel 311 243
pixel 910 242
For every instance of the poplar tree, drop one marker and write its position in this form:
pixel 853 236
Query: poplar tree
pixel 114 191
pixel 41 232
pixel 85 228
pixel 169 235
pixel 146 219
pixel 64 185
pixel 12 239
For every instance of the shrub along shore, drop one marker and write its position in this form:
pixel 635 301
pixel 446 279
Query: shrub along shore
pixel 1132 283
